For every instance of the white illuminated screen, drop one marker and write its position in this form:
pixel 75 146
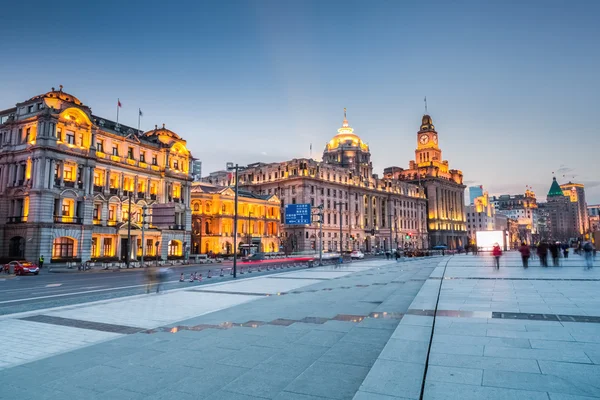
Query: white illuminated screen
pixel 487 239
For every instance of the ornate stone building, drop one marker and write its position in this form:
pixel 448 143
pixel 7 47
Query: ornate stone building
pixel 66 177
pixel 361 211
pixel 563 220
pixel 576 193
pixel 212 206
pixel 443 186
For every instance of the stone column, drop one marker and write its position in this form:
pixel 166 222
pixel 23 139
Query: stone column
pixel 122 181
pixel 62 173
pixel 49 182
pixel 106 179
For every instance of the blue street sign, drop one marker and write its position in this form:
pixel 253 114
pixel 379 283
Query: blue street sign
pixel 297 214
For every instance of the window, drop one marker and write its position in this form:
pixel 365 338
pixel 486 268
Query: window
pixel 97 211
pixel 63 247
pixel 66 209
pixel 130 153
pixel 30 109
pixel 100 146
pixel 70 137
pixel 143 156
pixel 112 213
pixel 115 151
pixel 95 247
pixel 175 164
pixel 59 133
pixel 68 174
pixel 40 106
pixel 107 247
pixel 154 160
pixel 28 134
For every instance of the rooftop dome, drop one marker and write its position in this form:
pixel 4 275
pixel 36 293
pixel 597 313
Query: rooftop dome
pixel 162 132
pixel 427 123
pixel 555 189
pixel 346 136
pixel 59 94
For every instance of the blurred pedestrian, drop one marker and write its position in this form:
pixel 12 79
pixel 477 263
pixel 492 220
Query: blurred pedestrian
pixel 525 254
pixel 533 251
pixel 397 254
pixel 41 261
pixel 588 250
pixel 497 253
pixel 542 252
pixel 554 252
pixel 565 249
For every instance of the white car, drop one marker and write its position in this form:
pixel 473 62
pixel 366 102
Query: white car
pixel 357 254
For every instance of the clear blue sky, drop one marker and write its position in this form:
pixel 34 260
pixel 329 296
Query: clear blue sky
pixel 512 87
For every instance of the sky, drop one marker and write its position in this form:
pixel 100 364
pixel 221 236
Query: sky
pixel 512 86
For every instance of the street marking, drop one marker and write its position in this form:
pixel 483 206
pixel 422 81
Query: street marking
pixel 54 285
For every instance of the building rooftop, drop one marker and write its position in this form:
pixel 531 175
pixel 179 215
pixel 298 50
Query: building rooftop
pixel 555 189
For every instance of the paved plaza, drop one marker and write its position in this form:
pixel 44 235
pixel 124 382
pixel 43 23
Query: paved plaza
pixel 440 328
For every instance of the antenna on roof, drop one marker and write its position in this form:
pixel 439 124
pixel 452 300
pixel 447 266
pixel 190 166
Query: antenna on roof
pixel 425 104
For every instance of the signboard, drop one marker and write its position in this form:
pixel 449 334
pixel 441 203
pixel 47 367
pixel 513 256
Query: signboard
pixel 297 214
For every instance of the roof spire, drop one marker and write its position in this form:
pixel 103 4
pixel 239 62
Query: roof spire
pixel 425 105
pixel 345 123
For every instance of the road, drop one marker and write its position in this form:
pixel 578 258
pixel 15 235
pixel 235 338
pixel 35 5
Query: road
pixel 28 293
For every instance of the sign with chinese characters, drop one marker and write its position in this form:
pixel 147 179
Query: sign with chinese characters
pixel 297 214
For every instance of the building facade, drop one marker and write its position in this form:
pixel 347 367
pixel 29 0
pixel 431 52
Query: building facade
pixel 361 211
pixel 70 179
pixel 521 208
pixel 576 193
pixel 562 212
pixel 258 226
pixel 475 192
pixel 444 189
pixel 481 216
pixel 594 217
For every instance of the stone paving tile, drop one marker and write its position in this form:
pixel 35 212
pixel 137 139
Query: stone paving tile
pixel 445 391
pixel 211 380
pixel 226 395
pixel 563 396
pixel 321 338
pixel 581 374
pixel 537 354
pixel 248 356
pixel 362 354
pixel 487 363
pixel 467 376
pixel 338 381
pixel 299 396
pixel 410 332
pixel 360 395
pixel 405 350
pixel 482 340
pixel 394 378
pixel 462 349
pixel 367 335
pixel 538 382
pixel 262 381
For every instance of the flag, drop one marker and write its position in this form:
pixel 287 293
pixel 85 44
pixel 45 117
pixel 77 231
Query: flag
pixel 118 103
pixel 141 113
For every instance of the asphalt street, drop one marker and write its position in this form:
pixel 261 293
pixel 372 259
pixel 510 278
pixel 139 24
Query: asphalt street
pixel 50 289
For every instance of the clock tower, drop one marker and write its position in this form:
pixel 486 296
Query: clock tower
pixel 428 151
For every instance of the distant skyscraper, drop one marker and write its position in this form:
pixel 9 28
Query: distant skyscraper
pixel 475 192
pixel 563 213
pixel 197 169
pixel 576 193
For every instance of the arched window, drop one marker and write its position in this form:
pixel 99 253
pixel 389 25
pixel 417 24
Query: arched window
pixel 63 247
pixel 207 228
pixel 174 248
pixel 196 207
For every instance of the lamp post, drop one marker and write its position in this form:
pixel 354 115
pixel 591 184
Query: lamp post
pixel 236 168
pixel 144 215
pixel 128 256
pixel 340 204
pixel 452 226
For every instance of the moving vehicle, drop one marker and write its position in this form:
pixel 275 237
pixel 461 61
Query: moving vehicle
pixel 22 268
pixel 357 255
pixel 255 257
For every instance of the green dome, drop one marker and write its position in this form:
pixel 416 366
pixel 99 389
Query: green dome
pixel 555 189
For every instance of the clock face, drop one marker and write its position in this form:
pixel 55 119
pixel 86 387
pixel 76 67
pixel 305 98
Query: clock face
pixel 435 139
pixel 424 139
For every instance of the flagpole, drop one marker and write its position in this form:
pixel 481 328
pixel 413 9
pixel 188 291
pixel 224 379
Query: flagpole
pixel 118 102
pixel 139 116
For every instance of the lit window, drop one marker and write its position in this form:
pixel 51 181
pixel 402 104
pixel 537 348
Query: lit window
pixel 70 137
pixel 100 146
pixel 63 247
pixel 115 151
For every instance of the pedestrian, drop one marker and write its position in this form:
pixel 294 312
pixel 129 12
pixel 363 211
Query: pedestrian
pixel 497 253
pixel 467 249
pixel 588 251
pixel 525 253
pixel 554 252
pixel 565 249
pixel 41 262
pixel 542 252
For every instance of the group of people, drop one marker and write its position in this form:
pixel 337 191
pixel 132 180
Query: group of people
pixel 555 249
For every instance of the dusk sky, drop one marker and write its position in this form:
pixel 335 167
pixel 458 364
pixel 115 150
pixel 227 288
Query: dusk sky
pixel 512 87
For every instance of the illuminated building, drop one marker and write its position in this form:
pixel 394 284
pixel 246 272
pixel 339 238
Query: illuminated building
pixel 66 176
pixel 576 193
pixel 522 208
pixel 444 189
pixel 594 217
pixel 376 214
pixel 481 216
pixel 562 212
pixel 259 218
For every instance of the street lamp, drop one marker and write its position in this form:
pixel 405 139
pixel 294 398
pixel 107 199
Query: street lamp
pixel 236 168
pixel 340 204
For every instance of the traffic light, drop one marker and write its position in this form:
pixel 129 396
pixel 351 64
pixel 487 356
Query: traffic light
pixel 408 236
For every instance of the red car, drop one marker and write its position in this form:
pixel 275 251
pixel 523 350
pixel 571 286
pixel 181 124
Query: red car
pixel 22 267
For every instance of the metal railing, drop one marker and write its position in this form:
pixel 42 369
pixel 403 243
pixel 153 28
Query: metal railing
pixel 67 220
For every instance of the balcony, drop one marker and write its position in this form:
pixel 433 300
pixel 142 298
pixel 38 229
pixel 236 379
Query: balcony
pixel 70 184
pixel 63 219
pixel 111 222
pixel 177 200
pixel 113 190
pixel 17 220
pixel 127 193
pixel 57 182
pixel 97 222
pixel 98 188
pixel 141 195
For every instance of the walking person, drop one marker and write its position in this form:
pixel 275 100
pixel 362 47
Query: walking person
pixel 497 253
pixel 588 252
pixel 554 252
pixel 525 254
pixel 397 254
pixel 565 249
pixel 41 262
pixel 542 252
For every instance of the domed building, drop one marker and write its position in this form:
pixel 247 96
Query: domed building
pixel 347 150
pixel 70 180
